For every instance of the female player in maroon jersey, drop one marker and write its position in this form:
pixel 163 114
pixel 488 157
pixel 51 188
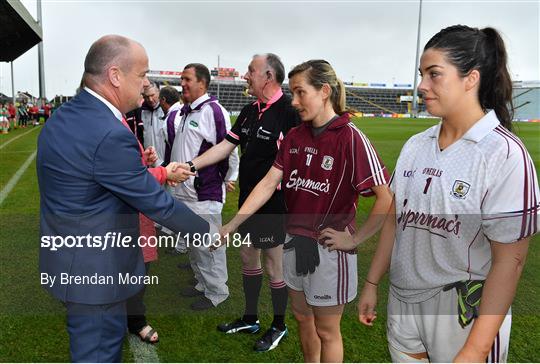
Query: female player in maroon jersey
pixel 452 280
pixel 322 165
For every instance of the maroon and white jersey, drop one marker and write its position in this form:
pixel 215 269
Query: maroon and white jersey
pixel 451 203
pixel 323 176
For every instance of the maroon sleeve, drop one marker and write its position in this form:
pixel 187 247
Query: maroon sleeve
pixel 368 168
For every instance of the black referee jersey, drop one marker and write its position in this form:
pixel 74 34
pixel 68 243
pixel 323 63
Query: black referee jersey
pixel 259 136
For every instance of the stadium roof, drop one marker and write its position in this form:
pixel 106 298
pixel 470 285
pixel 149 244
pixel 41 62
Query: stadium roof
pixel 18 30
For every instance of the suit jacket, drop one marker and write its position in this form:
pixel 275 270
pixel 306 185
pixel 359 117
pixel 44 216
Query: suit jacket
pixel 92 181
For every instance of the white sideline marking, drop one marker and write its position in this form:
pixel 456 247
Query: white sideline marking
pixel 18 136
pixel 17 152
pixel 142 352
pixel 13 181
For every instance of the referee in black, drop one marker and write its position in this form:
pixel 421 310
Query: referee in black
pixel 259 130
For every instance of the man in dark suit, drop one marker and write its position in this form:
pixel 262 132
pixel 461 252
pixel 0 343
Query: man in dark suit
pixel 92 187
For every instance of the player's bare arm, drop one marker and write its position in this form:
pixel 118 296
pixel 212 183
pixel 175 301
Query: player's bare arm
pixel 213 155
pixel 499 290
pixel 379 267
pixel 256 199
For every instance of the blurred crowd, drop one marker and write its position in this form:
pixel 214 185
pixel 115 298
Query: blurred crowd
pixel 22 114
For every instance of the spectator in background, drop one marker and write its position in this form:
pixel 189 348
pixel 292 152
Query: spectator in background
pixel 12 115
pixel 155 132
pixel 22 113
pixel 169 100
pixel 135 123
pixel 32 111
pixel 47 111
pixel 4 118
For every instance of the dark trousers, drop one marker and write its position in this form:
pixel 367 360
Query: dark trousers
pixel 96 332
pixel 136 310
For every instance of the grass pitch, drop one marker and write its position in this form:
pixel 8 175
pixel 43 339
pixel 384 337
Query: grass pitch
pixel 32 324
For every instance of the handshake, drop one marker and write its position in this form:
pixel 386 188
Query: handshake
pixel 176 172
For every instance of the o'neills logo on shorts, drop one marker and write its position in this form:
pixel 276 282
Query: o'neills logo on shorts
pixel 308 185
pixel 428 222
pixel 325 297
pixel 267 239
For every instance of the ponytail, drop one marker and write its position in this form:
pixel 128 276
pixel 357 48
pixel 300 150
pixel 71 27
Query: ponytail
pixel 496 89
pixel 471 48
pixel 339 98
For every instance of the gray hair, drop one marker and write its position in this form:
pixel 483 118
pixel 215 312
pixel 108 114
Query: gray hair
pixel 151 85
pixel 273 62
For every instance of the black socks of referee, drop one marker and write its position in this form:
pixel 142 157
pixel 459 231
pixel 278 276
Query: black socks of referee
pixel 279 303
pixel 252 279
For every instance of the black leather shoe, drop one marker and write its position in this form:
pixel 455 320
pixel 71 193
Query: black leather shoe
pixel 190 292
pixel 184 266
pixel 202 304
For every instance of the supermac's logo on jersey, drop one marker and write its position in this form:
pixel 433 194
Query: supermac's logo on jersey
pixel 327 163
pixel 306 184
pixel 460 189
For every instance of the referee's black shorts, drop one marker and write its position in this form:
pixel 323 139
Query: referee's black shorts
pixel 266 228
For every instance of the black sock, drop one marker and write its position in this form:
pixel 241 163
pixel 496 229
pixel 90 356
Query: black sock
pixel 279 302
pixel 252 287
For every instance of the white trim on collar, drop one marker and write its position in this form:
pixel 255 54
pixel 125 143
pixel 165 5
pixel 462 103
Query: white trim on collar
pixel 478 131
pixel 114 110
pixel 200 100
pixel 482 127
pixel 176 106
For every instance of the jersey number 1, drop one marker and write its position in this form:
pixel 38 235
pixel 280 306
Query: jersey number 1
pixel 428 182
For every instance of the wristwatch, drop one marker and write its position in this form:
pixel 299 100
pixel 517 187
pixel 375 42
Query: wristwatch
pixel 191 166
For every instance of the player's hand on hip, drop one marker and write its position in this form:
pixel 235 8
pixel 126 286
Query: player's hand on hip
pixel 367 304
pixel 337 240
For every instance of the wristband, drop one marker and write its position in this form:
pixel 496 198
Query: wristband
pixel 191 166
pixel 373 284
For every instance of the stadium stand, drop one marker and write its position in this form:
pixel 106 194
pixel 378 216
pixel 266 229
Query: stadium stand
pixel 366 100
pixel 370 101
pixel 526 103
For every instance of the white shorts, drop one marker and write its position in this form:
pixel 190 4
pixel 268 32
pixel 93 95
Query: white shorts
pixel 334 282
pixel 432 326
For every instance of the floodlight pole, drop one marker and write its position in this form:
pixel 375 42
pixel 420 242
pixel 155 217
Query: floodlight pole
pixel 13 84
pixel 416 64
pixel 217 76
pixel 41 69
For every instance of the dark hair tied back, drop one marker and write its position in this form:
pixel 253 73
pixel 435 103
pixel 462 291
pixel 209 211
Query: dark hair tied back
pixel 483 50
